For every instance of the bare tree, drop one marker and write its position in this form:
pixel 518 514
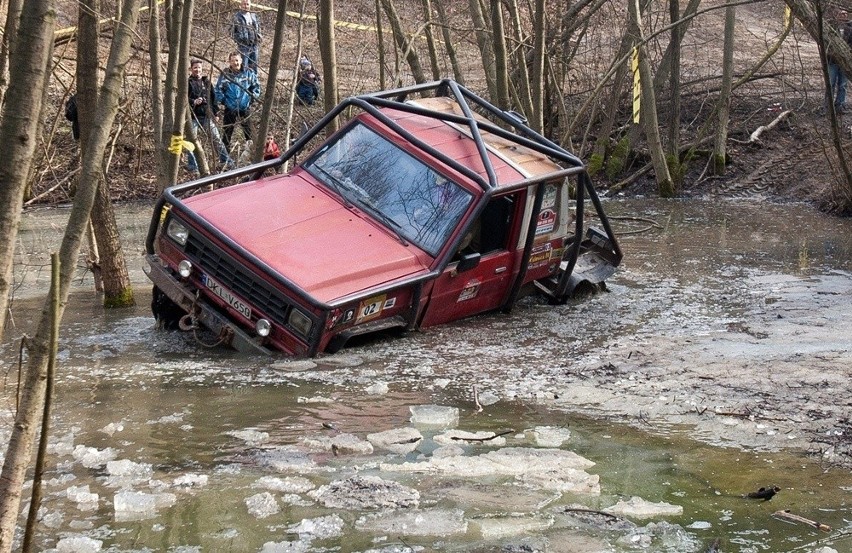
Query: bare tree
pixel 649 108
pixel 723 113
pixel 537 76
pixel 269 98
pixel 32 395
pixel 501 62
pixel 328 53
pixel 458 75
pixel 430 40
pixel 19 129
pixel 13 15
pixel 405 44
pixel 484 42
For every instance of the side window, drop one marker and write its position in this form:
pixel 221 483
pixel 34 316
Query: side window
pixel 491 231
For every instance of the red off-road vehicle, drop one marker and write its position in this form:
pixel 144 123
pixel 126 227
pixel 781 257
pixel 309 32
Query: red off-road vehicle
pixel 429 205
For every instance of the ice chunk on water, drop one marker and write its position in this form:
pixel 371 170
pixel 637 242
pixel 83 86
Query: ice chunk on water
pixel 250 436
pixel 86 501
pixel 502 527
pixel 548 436
pixel 366 492
pixel 435 522
pixel 191 480
pixel 262 505
pixel 434 415
pixel 131 505
pixel 637 507
pixel 92 457
pixel 378 388
pixel 112 428
pixel 339 444
pixel 319 528
pixel 63 445
pixel 126 472
pixel 290 484
pixel 286 547
pixel 78 544
pixel 397 440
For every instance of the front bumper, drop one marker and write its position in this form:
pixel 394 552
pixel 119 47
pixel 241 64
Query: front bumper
pixel 188 300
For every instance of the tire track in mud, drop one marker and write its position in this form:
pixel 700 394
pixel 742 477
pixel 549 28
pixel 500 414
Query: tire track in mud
pixel 774 169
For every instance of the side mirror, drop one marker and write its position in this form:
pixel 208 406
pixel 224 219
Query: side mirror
pixel 468 261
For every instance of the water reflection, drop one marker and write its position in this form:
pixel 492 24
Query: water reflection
pixel 225 452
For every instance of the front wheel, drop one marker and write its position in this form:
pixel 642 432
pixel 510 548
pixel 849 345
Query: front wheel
pixel 166 312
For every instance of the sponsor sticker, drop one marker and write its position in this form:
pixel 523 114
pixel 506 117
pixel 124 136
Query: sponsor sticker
pixel 470 290
pixel 546 222
pixel 540 255
pixel 229 298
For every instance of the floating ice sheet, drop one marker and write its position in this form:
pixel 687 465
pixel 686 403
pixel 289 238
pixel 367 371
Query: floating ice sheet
pixel 434 415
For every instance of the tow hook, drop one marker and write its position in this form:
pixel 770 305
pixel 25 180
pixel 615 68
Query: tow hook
pixel 187 322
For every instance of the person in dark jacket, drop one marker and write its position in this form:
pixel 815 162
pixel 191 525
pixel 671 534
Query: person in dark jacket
pixel 309 79
pixel 245 30
pixel 71 115
pixel 236 89
pixel 204 114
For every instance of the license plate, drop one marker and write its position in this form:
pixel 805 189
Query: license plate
pixel 229 298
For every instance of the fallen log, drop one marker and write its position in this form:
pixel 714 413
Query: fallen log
pixel 786 514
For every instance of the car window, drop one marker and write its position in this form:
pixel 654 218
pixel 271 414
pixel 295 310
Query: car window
pixel 408 196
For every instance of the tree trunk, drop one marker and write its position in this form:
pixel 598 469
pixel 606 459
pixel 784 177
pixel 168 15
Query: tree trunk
pixel 21 441
pixel 181 31
pixel 13 16
pixel 19 131
pixel 430 40
pixel 458 75
pixel 719 145
pixel 537 77
pixel 484 43
pixel 403 42
pixel 155 47
pixel 501 63
pixel 328 53
pixel 521 72
pixel 649 108
pixel 272 79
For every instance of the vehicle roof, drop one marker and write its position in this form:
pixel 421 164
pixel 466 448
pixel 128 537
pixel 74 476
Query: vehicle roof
pixel 513 162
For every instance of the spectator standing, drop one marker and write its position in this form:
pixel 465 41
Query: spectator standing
pixel 236 89
pixel 308 86
pixel 202 102
pixel 836 77
pixel 245 30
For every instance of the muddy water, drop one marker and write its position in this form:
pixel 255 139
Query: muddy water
pixel 161 444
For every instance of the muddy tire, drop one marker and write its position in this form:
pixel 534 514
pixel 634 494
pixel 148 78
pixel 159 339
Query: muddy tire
pixel 166 312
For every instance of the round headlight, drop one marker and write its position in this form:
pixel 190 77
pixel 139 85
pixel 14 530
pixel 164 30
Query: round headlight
pixel 263 327
pixel 185 268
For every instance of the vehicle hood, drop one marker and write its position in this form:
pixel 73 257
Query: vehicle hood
pixel 303 231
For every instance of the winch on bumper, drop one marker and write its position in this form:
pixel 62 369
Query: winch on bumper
pixel 198 311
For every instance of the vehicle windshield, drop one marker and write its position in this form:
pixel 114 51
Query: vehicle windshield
pixel 406 195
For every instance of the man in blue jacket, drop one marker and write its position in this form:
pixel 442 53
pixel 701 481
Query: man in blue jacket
pixel 237 89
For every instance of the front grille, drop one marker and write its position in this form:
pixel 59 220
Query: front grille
pixel 216 263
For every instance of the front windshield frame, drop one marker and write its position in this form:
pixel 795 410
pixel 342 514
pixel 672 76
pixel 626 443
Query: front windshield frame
pixel 410 198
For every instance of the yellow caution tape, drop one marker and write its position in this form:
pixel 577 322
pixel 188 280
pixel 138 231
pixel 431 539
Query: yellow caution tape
pixel 178 144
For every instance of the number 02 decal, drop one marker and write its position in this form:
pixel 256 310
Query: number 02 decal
pixel 370 308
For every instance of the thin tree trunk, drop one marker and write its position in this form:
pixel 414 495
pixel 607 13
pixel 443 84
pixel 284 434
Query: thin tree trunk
pixel 13 16
pixel 380 35
pixel 19 131
pixel 272 80
pixel 501 63
pixel 157 92
pixel 649 108
pixel 328 53
pixel 430 40
pixel 522 80
pixel 182 30
pixel 403 42
pixel 484 42
pixel 719 145
pixel 458 75
pixel 20 446
pixel 537 76
pixel 674 85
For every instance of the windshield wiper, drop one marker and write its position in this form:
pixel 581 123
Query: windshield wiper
pixel 367 200
pixel 338 185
